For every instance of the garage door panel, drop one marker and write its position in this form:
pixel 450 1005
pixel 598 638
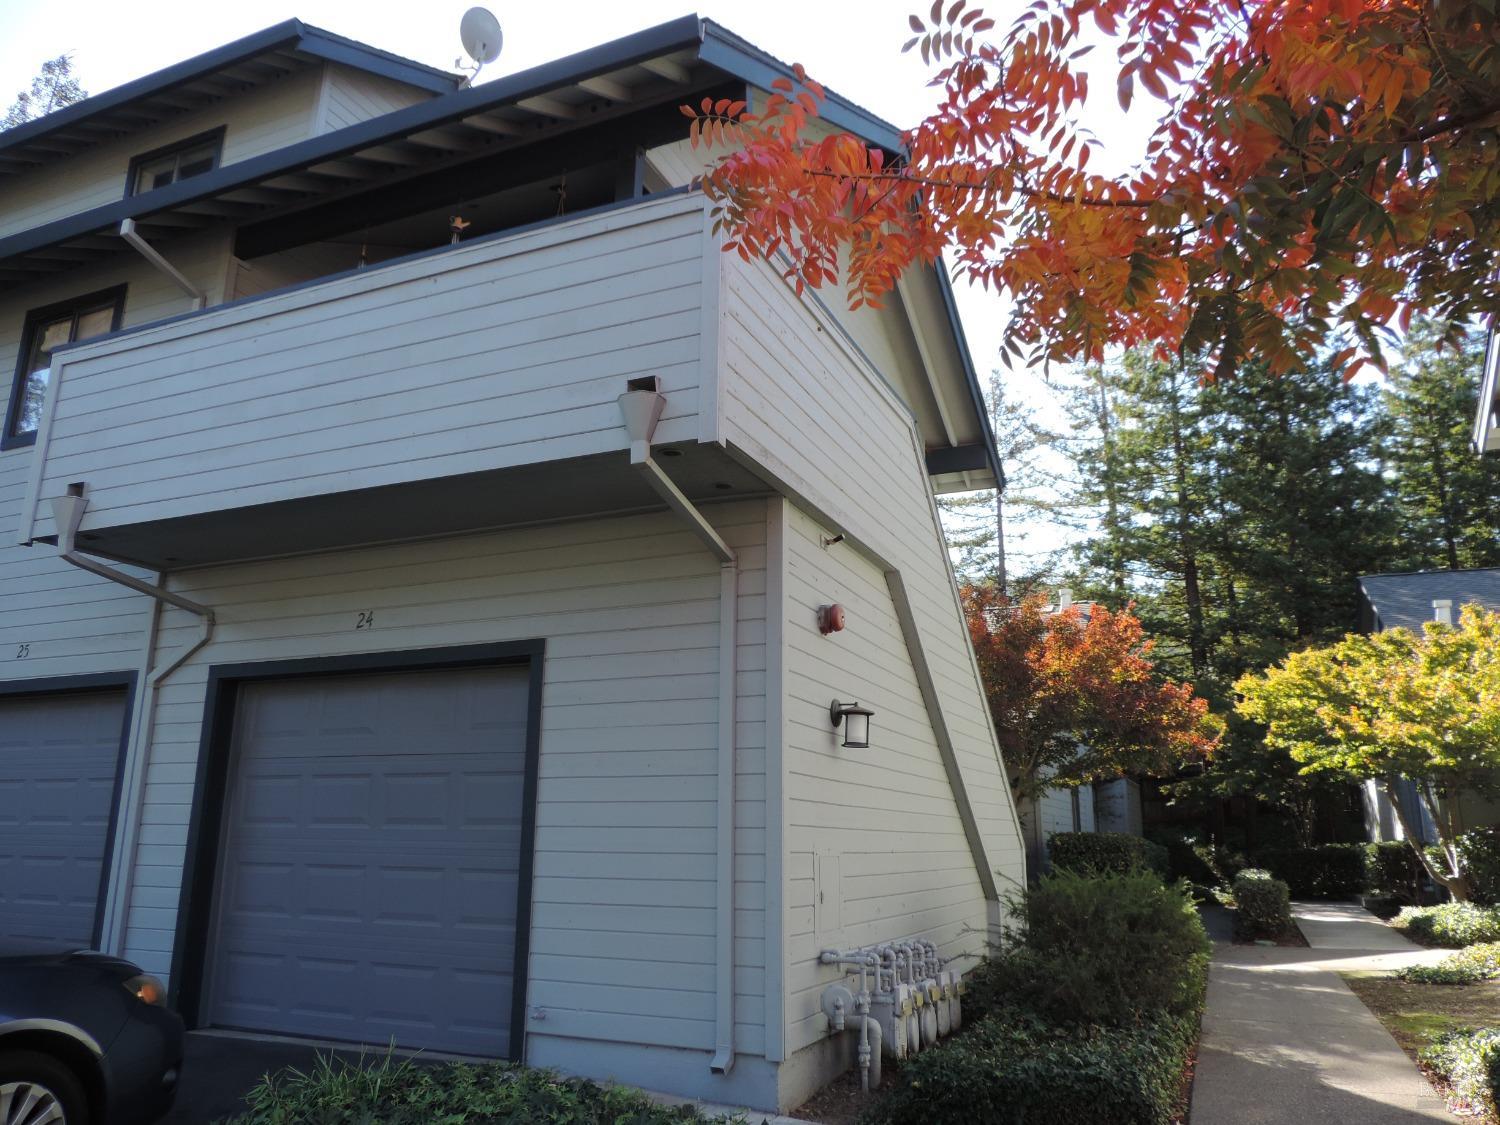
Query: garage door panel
pixel 371 859
pixel 59 756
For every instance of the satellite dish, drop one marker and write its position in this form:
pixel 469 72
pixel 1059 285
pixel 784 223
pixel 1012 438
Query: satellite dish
pixel 480 32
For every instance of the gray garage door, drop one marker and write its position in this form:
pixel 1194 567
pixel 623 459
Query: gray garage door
pixel 371 859
pixel 58 759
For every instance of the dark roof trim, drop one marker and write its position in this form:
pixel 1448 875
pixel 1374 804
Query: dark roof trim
pixel 288 35
pixel 676 35
pixel 976 394
pixel 727 51
pixel 958 459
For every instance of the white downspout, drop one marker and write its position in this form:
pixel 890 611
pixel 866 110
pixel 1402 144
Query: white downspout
pixel 67 512
pixel 642 409
pixel 152 255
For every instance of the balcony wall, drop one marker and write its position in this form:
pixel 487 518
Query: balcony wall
pixel 486 356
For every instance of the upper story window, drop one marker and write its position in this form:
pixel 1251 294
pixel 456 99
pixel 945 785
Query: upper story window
pixel 47 330
pixel 181 161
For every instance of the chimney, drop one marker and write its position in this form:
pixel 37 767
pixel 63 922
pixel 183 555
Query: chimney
pixel 1442 610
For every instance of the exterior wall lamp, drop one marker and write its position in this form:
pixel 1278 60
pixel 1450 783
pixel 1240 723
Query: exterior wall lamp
pixel 857 728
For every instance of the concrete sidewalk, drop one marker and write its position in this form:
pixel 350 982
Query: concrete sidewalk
pixel 1284 1040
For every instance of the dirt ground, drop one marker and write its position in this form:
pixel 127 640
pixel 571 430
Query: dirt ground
pixel 1417 1014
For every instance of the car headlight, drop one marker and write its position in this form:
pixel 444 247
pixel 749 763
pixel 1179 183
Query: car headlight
pixel 147 989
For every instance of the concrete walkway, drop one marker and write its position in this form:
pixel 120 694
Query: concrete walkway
pixel 1284 1040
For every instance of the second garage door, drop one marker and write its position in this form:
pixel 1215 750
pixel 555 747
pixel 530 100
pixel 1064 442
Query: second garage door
pixel 58 758
pixel 371 859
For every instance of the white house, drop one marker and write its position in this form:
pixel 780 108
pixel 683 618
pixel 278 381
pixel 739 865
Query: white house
pixel 414 633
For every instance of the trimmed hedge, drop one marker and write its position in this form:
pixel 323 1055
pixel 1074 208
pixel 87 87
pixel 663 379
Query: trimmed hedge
pixel 1109 950
pixel 1451 925
pixel 1325 871
pixel 1014 1069
pixel 1392 868
pixel 1479 852
pixel 1087 1018
pixel 1467 966
pixel 1263 905
pixel 395 1091
pixel 1470 1061
pixel 1105 853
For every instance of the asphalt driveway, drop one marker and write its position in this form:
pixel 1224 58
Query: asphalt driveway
pixel 217 1072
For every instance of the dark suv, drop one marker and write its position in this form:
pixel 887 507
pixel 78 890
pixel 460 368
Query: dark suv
pixel 85 1039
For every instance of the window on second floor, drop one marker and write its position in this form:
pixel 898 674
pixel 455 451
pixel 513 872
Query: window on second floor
pixel 47 330
pixel 181 161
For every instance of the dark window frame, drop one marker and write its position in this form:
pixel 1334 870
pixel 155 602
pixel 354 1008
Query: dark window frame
pixel 9 439
pixel 200 869
pixel 213 137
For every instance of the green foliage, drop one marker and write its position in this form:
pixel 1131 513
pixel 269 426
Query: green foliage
pixel 391 1091
pixel 1186 857
pixel 1014 1069
pixel 1470 1061
pixel 1392 868
pixel 1108 950
pixel 1475 963
pixel 1451 925
pixel 1324 871
pixel 1105 853
pixel 1263 905
pixel 1448 500
pixel 1086 1018
pixel 1479 852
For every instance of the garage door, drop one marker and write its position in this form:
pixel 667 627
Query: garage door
pixel 59 755
pixel 371 859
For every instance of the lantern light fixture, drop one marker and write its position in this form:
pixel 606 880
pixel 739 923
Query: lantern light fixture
pixel 856 723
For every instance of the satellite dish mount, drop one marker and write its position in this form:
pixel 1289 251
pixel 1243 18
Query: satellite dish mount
pixel 479 31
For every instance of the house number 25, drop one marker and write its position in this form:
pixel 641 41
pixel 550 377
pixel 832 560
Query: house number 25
pixel 23 651
pixel 365 620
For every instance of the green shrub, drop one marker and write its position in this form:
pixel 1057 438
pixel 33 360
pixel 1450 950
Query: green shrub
pixel 1392 868
pixel 398 1092
pixel 1183 858
pixel 1106 950
pixel 1013 1069
pixel 1470 1061
pixel 1224 862
pixel 1325 871
pixel 1476 963
pixel 1263 905
pixel 1479 853
pixel 1452 925
pixel 1100 853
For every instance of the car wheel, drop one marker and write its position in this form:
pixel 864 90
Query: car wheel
pixel 36 1089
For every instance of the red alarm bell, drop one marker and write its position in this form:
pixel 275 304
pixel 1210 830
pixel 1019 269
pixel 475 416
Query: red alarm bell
pixel 830 618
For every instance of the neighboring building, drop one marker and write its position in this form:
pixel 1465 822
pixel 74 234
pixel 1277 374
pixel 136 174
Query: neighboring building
pixel 419 641
pixel 1409 601
pixel 1487 415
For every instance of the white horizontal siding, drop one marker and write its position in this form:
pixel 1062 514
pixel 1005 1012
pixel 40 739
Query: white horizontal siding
pixel 266 118
pixel 875 831
pixel 350 96
pixel 72 622
pixel 491 354
pixel 623 918
pixel 804 405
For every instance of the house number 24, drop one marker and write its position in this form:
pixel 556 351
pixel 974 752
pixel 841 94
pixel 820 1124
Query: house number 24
pixel 365 620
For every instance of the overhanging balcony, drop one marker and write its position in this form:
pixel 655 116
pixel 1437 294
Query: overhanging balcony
pixel 465 388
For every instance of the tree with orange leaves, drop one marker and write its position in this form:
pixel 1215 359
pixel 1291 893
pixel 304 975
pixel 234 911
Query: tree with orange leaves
pixel 1320 170
pixel 1075 696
